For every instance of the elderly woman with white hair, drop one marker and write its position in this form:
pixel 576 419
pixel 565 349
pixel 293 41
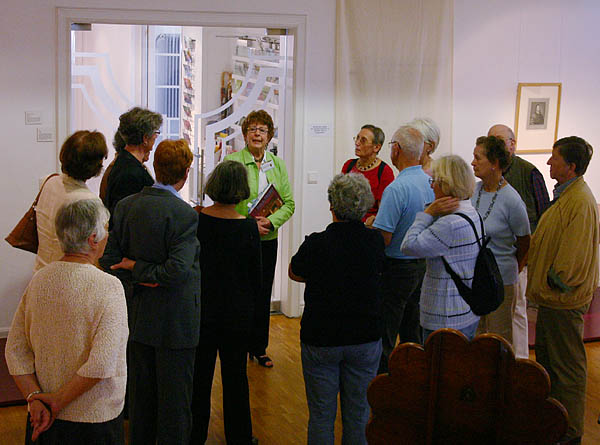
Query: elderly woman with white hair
pixel 439 231
pixel 66 346
pixel 431 132
pixel 340 329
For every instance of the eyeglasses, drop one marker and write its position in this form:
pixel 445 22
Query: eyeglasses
pixel 157 132
pixel 361 140
pixel 391 144
pixel 260 130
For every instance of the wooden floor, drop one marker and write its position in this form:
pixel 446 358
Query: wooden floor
pixel 279 413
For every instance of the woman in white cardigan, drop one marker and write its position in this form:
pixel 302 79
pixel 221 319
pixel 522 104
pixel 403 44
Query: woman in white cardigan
pixel 66 346
pixel 437 232
pixel 81 158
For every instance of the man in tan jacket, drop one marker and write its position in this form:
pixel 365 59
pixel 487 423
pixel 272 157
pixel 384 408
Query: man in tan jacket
pixel 562 277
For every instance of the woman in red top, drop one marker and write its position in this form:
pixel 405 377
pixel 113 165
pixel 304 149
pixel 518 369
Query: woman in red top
pixel 367 144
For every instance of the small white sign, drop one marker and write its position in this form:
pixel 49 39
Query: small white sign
pixel 33 118
pixel 45 134
pixel 320 130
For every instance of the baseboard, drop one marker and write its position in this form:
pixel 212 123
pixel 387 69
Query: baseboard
pixel 276 307
pixel 4 332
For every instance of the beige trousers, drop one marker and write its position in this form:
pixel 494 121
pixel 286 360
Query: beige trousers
pixel 501 320
pixel 519 322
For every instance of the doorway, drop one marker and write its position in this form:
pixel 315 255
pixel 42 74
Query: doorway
pixel 98 94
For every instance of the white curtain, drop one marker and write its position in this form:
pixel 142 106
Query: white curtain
pixel 393 63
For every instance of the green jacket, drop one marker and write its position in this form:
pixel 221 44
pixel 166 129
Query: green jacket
pixel 278 177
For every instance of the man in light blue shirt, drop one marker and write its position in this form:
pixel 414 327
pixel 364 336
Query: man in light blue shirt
pixel 408 194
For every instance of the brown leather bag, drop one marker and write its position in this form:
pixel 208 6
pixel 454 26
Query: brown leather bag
pixel 24 236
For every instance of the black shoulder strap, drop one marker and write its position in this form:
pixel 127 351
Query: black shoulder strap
pixel 473 226
pixel 462 287
pixel 351 165
pixel 380 171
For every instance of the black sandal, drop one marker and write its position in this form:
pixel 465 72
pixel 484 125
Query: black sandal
pixel 263 360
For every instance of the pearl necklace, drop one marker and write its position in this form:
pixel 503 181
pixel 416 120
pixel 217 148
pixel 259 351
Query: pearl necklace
pixel 487 213
pixel 368 167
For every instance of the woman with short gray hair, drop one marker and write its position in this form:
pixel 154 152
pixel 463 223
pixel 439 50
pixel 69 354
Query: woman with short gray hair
pixel 137 133
pixel 367 144
pixel 66 346
pixel 340 334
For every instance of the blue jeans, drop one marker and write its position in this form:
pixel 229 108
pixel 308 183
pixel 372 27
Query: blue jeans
pixel 348 370
pixel 469 331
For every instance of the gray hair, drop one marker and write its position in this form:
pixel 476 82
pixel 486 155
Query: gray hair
pixel 411 141
pixel 350 196
pixel 429 130
pixel 76 221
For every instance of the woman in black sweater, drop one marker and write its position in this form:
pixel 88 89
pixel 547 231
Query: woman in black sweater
pixel 230 264
pixel 340 331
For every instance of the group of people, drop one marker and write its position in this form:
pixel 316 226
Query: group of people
pixel 183 283
pixel 194 282
pixel 433 218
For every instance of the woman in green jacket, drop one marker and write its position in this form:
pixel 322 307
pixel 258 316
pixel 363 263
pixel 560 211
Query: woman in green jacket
pixel 264 168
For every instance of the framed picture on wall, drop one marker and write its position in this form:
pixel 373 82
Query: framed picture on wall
pixel 536 118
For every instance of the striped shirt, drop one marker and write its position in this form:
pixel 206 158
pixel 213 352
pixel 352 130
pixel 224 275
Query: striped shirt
pixel 451 236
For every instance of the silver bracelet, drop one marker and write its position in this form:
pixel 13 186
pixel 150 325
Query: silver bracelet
pixel 32 393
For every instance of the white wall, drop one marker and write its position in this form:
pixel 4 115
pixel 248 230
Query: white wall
pixel 499 43
pixel 29 82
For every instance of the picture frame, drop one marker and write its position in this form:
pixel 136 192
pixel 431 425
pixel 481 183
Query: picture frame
pixel 536 117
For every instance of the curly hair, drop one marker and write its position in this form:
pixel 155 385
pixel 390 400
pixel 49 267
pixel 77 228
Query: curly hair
pixel 575 150
pixel 135 124
pixel 495 150
pixel 171 160
pixel 118 142
pixel 258 117
pixel 350 196
pixel 228 183
pixel 82 154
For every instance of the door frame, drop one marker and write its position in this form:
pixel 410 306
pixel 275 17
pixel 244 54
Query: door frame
pixel 296 26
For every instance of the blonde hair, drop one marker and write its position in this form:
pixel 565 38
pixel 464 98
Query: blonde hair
pixel 454 176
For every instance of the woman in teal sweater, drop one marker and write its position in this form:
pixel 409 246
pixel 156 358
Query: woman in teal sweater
pixel 264 168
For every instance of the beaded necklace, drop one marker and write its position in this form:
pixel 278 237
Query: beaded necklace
pixel 368 167
pixel 487 213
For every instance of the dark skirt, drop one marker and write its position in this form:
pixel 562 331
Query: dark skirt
pixel 74 433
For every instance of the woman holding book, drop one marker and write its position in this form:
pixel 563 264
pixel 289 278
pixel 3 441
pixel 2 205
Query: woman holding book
pixel 264 169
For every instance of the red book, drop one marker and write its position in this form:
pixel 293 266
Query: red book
pixel 267 203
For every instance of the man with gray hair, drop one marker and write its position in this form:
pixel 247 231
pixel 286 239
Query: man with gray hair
pixel 529 183
pixel 402 277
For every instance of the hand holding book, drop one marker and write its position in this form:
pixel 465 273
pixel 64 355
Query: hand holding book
pixel 267 203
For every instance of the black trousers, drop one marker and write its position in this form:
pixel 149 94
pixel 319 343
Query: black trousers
pixel 232 351
pixel 160 394
pixel 259 339
pixel 79 433
pixel 401 293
